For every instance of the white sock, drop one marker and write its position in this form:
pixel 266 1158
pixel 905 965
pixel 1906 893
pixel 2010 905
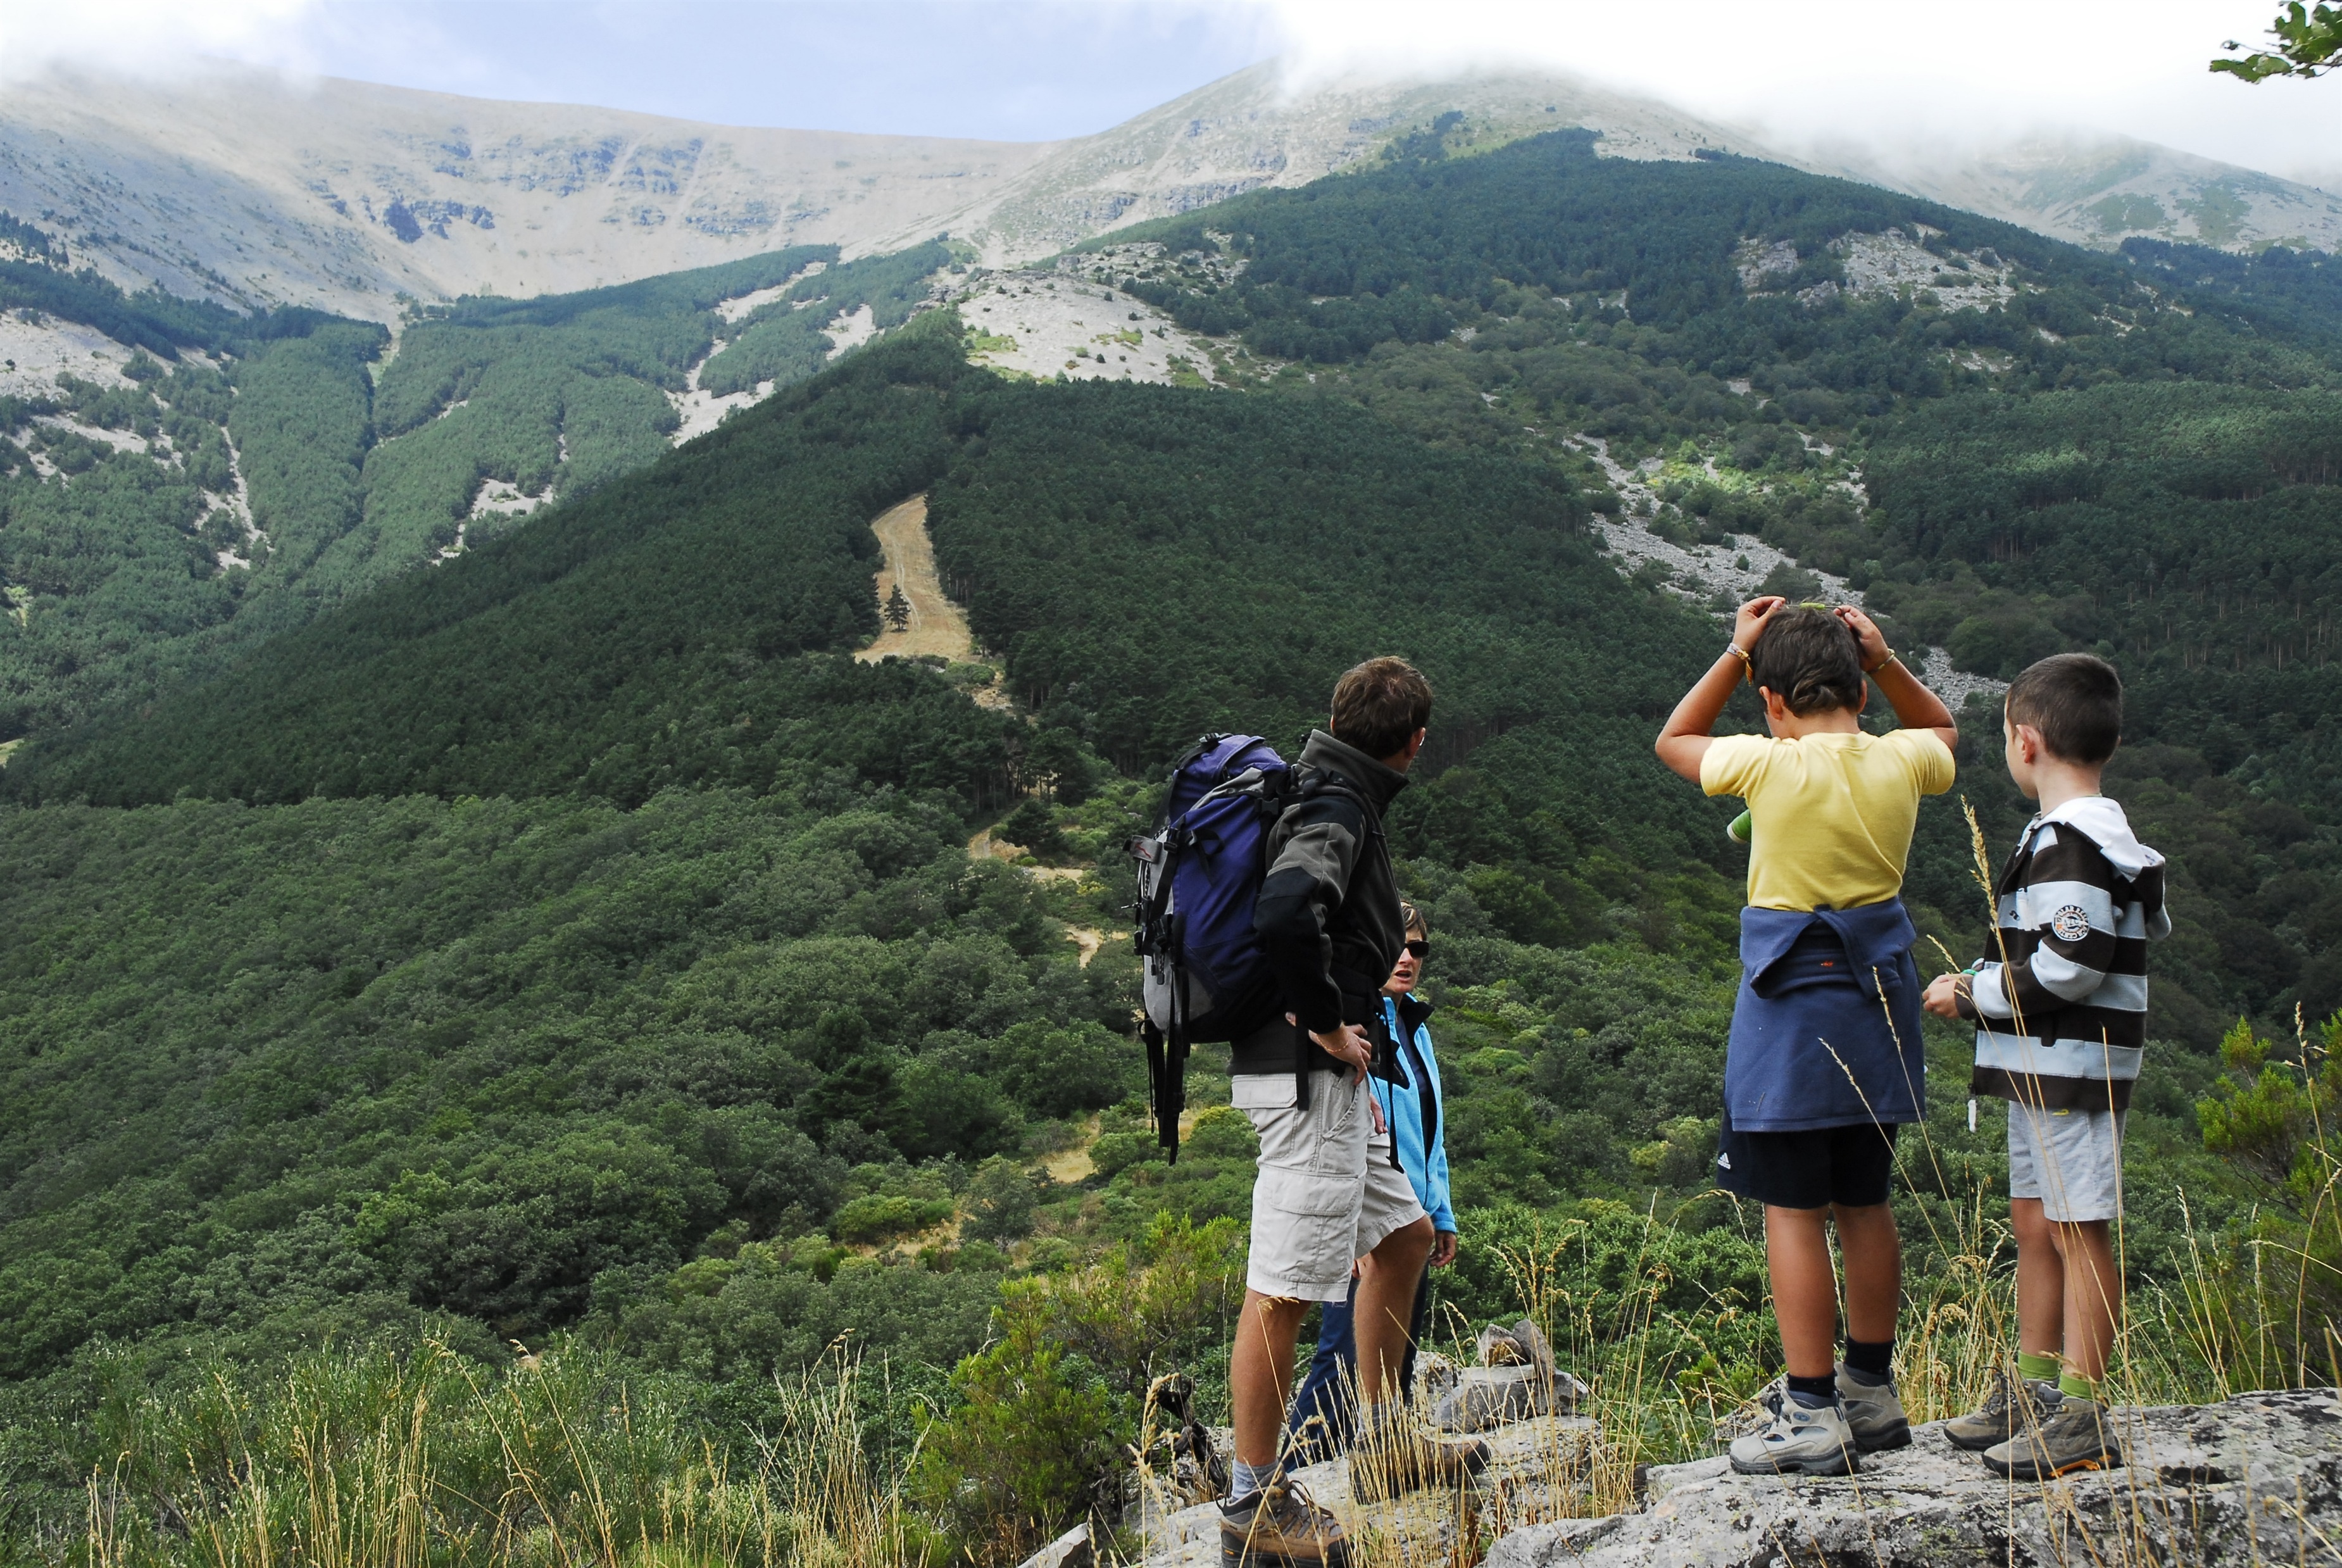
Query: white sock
pixel 1244 1480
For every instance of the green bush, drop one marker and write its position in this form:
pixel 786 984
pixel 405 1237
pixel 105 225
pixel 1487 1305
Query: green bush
pixel 1031 827
pixel 1221 1133
pixel 1001 1202
pixel 876 1217
pixel 1040 1417
pixel 1063 1072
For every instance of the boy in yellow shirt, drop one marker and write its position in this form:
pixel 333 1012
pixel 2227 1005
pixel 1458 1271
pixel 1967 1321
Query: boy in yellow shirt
pixel 1825 1061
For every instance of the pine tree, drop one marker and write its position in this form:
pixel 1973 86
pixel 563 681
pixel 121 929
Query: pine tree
pixel 898 609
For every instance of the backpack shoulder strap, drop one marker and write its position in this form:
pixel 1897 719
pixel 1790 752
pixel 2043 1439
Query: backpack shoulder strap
pixel 1311 782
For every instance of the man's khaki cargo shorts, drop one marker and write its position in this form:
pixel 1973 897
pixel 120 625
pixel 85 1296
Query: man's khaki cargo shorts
pixel 1319 1202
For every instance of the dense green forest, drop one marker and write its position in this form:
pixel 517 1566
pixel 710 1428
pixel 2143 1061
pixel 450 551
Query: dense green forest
pixel 571 945
pixel 151 531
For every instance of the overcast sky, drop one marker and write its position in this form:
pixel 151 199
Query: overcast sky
pixel 1882 73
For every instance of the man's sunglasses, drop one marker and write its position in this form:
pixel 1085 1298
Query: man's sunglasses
pixel 1418 948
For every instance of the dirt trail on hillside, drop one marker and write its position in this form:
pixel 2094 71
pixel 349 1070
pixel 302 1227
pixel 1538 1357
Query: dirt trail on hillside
pixel 936 624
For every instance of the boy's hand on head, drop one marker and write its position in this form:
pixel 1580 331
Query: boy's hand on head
pixel 1750 623
pixel 1943 996
pixel 1866 632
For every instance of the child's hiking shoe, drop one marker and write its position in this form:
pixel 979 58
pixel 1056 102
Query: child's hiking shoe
pixel 1279 1527
pixel 1798 1440
pixel 1873 1413
pixel 2016 1405
pixel 1394 1455
pixel 2075 1437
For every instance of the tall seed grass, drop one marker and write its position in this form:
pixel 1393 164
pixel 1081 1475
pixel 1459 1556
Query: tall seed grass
pixel 384 1460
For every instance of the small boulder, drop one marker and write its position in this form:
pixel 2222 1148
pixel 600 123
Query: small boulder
pixel 1517 1379
pixel 1071 1550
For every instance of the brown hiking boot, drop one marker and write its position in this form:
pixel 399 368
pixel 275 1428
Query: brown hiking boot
pixel 2013 1406
pixel 2074 1438
pixel 1394 1455
pixel 1279 1527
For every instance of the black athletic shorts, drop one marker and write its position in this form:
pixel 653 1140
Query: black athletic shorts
pixel 1807 1170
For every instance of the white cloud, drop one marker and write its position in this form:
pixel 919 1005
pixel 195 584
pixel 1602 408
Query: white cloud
pixel 147 37
pixel 1918 79
pixel 1903 82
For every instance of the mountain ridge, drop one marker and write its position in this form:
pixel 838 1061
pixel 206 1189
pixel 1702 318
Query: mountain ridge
pixel 245 187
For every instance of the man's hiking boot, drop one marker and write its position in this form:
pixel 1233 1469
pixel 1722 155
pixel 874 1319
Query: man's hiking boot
pixel 1873 1413
pixel 1279 1527
pixel 1395 1454
pixel 2014 1406
pixel 1798 1440
pixel 2073 1437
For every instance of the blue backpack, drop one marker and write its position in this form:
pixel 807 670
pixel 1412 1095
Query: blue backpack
pixel 1205 977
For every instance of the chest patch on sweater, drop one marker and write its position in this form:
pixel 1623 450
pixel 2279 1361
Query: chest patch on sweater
pixel 2070 924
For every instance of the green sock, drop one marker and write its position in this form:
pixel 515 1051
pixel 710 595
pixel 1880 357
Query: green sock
pixel 2035 1368
pixel 2074 1387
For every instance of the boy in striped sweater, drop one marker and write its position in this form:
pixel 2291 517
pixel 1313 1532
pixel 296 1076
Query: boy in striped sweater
pixel 2059 1003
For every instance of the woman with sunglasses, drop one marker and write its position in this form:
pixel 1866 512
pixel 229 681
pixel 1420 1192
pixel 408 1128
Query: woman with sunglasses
pixel 1321 1421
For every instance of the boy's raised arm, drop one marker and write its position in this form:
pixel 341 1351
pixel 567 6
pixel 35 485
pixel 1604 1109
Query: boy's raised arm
pixel 1915 707
pixel 1685 740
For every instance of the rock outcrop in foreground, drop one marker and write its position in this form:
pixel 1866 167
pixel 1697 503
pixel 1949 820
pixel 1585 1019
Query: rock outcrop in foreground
pixel 2255 1480
pixel 1529 1461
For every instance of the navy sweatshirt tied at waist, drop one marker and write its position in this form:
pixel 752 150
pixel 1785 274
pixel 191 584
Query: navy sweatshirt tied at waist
pixel 1826 1031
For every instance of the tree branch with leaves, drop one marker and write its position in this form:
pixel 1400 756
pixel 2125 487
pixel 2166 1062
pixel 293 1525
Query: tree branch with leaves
pixel 2309 43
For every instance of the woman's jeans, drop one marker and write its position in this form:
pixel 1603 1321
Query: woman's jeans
pixel 1322 1422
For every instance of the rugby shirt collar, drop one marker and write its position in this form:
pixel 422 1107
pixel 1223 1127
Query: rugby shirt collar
pixel 2102 819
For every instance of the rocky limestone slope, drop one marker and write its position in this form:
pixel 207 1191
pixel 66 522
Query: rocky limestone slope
pixel 249 188
pixel 2102 190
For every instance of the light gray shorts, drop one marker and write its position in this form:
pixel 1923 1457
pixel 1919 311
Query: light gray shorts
pixel 2070 1160
pixel 1326 1193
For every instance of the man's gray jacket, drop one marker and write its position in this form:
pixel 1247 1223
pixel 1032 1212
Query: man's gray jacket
pixel 1328 910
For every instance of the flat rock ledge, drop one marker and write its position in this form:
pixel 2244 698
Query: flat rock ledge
pixel 2256 1480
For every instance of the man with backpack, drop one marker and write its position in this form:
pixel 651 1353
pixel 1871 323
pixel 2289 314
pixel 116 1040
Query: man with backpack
pixel 1329 923
pixel 1322 1421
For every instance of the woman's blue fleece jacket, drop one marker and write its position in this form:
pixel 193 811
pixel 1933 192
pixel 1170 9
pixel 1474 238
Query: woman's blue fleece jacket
pixel 1415 1110
pixel 1826 1032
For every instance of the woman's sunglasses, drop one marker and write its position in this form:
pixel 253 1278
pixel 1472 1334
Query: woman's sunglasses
pixel 1418 948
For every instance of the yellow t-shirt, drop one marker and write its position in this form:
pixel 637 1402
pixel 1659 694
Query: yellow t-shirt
pixel 1831 814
